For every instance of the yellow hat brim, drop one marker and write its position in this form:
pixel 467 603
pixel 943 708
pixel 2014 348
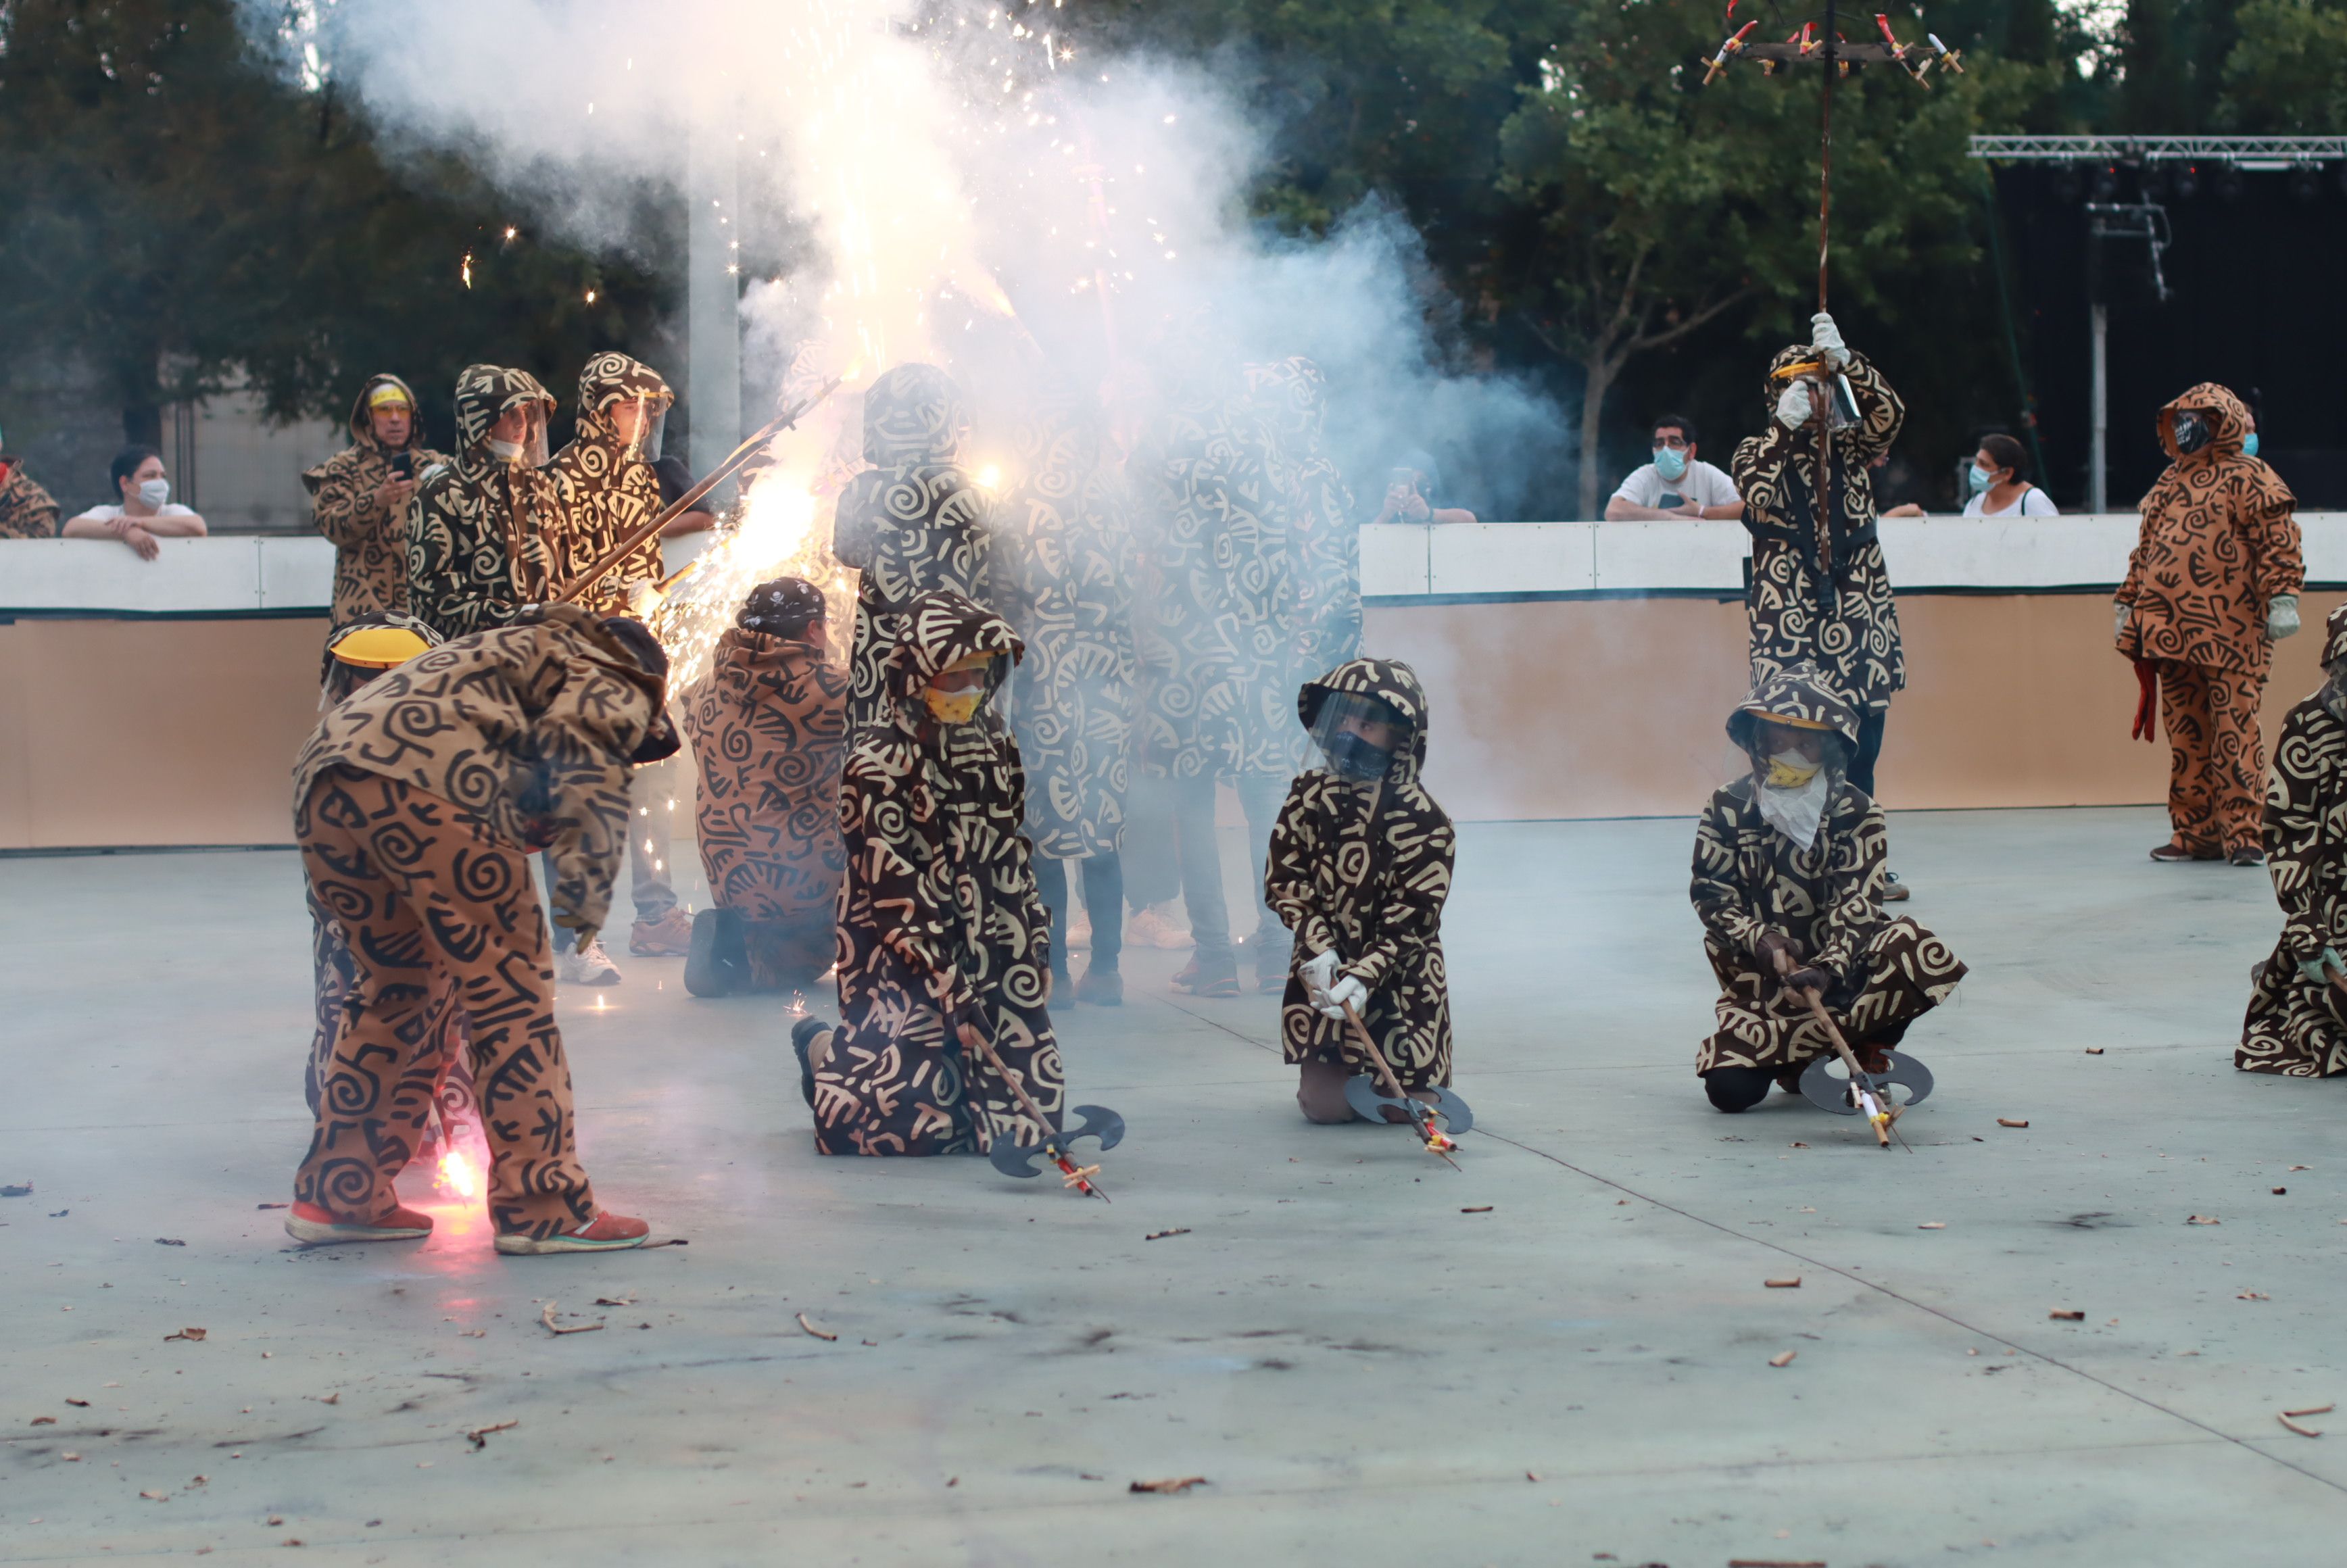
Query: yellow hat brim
pixel 1802 367
pixel 378 647
pixel 1789 722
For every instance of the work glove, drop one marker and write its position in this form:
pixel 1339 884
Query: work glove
pixel 1769 944
pixel 1793 409
pixel 2119 619
pixel 1808 979
pixel 2312 968
pixel 1345 992
pixel 1319 971
pixel 1826 338
pixel 2282 616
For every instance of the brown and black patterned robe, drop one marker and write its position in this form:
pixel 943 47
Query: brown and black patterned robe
pixel 1363 869
pixel 939 916
pixel 370 540
pixel 607 493
pixel 1750 879
pixel 485 537
pixel 769 726
pixel 912 523
pixel 2297 1025
pixel 26 510
pixel 1820 593
pixel 1064 565
pixel 1324 538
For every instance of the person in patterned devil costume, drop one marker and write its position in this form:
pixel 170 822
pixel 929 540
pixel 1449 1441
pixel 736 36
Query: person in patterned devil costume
pixel 913 522
pixel 1359 866
pixel 942 935
pixel 1323 540
pixel 2212 585
pixel 419 800
pixel 1064 566
pixel 485 535
pixel 359 500
pixel 2297 1022
pixel 26 510
pixel 769 726
pixel 1790 857
pixel 1820 593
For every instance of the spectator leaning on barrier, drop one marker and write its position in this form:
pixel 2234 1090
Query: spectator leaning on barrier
pixel 1999 482
pixel 1410 494
pixel 27 511
pixel 146 511
pixel 359 500
pixel 1674 484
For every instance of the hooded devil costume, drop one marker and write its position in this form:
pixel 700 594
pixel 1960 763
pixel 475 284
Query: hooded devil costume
pixel 1795 856
pixel 26 510
pixel 2297 1023
pixel 417 800
pixel 939 922
pixel 370 538
pixel 2212 583
pixel 1064 566
pixel 1820 593
pixel 913 522
pixel 485 535
pixel 769 726
pixel 1360 865
pixel 607 483
pixel 1323 540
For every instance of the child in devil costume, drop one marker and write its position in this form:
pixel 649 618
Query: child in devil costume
pixel 944 943
pixel 1790 858
pixel 1358 868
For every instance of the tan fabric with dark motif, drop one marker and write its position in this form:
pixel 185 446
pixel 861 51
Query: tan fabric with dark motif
pixel 1363 869
pixel 939 917
pixel 1820 589
pixel 608 493
pixel 2297 1025
pixel 2216 757
pixel 1064 565
pixel 913 523
pixel 26 510
pixel 769 727
pixel 527 726
pixel 484 537
pixel 447 949
pixel 370 540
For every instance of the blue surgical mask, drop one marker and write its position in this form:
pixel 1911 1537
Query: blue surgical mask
pixel 1979 478
pixel 1670 462
pixel 2249 445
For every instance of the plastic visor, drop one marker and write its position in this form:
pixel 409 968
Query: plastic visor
pixel 643 425
pixel 1336 731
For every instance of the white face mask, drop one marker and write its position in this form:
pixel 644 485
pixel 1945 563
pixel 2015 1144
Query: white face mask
pixel 506 451
pixel 1796 811
pixel 154 493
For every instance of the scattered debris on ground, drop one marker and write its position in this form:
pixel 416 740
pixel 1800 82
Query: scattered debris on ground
pixel 2013 1121
pixel 1791 1282
pixel 479 1436
pixel 1182 1483
pixel 2062 1315
pixel 547 1317
pixel 190 1334
pixel 1783 1358
pixel 812 1329
pixel 1161 1235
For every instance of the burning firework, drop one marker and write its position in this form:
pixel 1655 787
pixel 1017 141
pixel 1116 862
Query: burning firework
pixel 460 1177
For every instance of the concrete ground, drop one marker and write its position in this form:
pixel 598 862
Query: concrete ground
pixel 1362 1364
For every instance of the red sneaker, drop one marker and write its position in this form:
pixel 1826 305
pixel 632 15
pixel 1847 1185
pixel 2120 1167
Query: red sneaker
pixel 313 1226
pixel 606 1232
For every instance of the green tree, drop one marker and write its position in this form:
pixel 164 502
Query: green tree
pixel 2287 76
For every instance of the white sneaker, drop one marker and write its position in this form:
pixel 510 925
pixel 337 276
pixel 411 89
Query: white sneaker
pixel 587 965
pixel 1158 926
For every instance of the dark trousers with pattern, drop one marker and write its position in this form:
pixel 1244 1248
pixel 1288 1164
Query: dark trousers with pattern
pixel 2217 760
pixel 437 918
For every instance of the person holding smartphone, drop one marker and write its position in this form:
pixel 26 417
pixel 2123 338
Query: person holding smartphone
pixel 358 498
pixel 1410 486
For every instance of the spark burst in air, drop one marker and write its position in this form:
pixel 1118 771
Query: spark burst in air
pixel 459 1175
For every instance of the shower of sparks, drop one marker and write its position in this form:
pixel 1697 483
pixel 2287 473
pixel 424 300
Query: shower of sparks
pixel 459 1175
pixel 464 269
pixel 780 528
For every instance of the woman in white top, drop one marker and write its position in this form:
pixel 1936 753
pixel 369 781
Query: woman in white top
pixel 2000 483
pixel 146 512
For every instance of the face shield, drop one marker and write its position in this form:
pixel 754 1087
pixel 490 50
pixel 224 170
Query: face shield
pixel 519 437
pixel 639 422
pixel 1358 735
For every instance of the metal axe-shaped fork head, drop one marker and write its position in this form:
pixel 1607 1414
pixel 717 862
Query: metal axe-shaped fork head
pixel 1826 1091
pixel 1361 1095
pixel 1091 1121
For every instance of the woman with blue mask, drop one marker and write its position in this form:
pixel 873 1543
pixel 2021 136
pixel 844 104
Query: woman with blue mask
pixel 1998 482
pixel 1676 485
pixel 144 510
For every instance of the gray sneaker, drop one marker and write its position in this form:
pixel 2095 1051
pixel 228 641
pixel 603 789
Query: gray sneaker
pixel 587 965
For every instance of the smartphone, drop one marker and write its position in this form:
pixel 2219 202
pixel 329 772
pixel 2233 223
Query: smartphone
pixel 1670 501
pixel 403 465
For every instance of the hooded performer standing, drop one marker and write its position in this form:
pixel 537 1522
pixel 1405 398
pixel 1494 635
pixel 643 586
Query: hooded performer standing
pixel 359 497
pixel 2212 586
pixel 418 801
pixel 1789 857
pixel 485 535
pixel 1359 867
pixel 1820 593
pixel 942 936
pixel 1065 564
pixel 2297 1023
pixel 769 726
pixel 912 523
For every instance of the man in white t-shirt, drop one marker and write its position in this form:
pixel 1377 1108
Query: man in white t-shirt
pixel 1674 484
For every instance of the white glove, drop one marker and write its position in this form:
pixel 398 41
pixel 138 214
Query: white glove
pixel 2282 616
pixel 643 597
pixel 2119 619
pixel 1319 970
pixel 1793 406
pixel 1346 992
pixel 1826 338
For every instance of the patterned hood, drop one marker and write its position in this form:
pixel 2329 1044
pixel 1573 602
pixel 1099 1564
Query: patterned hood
pixel 2227 415
pixel 363 426
pixel 914 413
pixel 484 393
pixel 2335 637
pixel 1391 681
pixel 1799 691
pixel 1291 397
pixel 611 378
pixel 943 628
pixel 1059 436
pixel 1796 353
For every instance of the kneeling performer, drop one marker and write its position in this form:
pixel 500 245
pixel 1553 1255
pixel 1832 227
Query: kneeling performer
pixel 1358 868
pixel 419 800
pixel 1789 859
pixel 944 943
pixel 2297 1024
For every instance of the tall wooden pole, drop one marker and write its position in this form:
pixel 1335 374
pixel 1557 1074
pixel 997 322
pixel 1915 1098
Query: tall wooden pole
pixel 1825 148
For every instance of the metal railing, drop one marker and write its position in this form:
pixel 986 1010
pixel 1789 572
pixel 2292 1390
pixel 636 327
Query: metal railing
pixel 2279 151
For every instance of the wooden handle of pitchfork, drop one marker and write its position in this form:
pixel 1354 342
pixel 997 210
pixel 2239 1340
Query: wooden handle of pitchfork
pixel 1848 1057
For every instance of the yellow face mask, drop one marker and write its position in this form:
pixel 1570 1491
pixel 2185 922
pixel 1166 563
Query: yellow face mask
pixel 1790 770
pixel 957 707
